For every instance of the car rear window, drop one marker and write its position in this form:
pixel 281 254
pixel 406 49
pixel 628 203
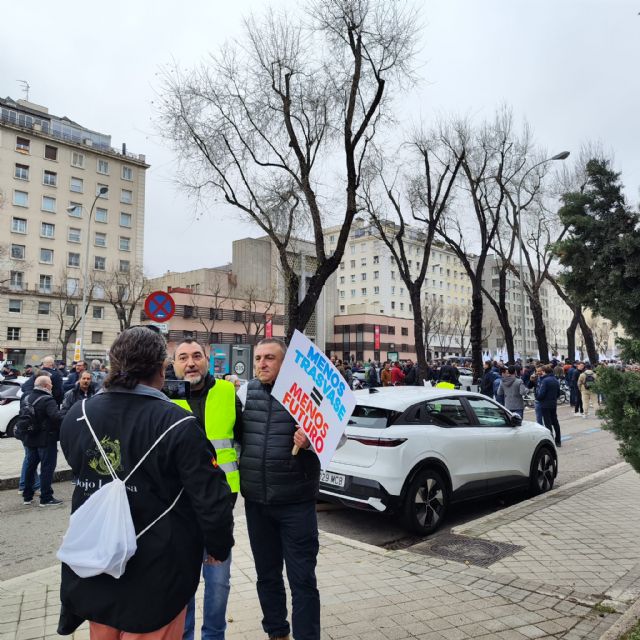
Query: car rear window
pixel 372 417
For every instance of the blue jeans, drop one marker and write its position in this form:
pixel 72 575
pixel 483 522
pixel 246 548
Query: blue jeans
pixel 538 411
pixel 286 534
pixel 23 473
pixel 216 594
pixel 47 457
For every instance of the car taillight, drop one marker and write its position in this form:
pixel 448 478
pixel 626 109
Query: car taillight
pixel 6 401
pixel 378 442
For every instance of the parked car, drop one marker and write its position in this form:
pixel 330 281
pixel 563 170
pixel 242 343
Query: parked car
pixel 416 450
pixel 10 393
pixel 466 380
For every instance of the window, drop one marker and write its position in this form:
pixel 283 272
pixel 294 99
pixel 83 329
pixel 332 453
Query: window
pixel 45 284
pixel 98 291
pixel 127 173
pixel 363 262
pixel 21 198
pixel 341 293
pixel 23 145
pixel 353 293
pixel 125 244
pixel 353 264
pixel 99 263
pixel 125 219
pixel 74 234
pixel 489 414
pixel 101 215
pixel 341 279
pixel 124 266
pixel 363 291
pixel 101 239
pixel 103 166
pixel 44 308
pixel 46 256
pixel 21 172
pixel 42 335
pixel 98 313
pixel 342 266
pixel 15 306
pixel 126 196
pixel 102 194
pixel 353 277
pixel 76 185
pixel 404 331
pixel 376 290
pixel 376 259
pixel 393 291
pixel 342 308
pixel 13 333
pixel 393 275
pixel 77 159
pixel 16 280
pixel 18 251
pixel 75 209
pixel 402 306
pixel 96 337
pixel 353 249
pixel 443 412
pixel 48 204
pixel 393 305
pixel 376 275
pixel 73 286
pixel 50 152
pixel 363 276
pixel 47 230
pixel 71 310
pixel 50 178
pixel 73 259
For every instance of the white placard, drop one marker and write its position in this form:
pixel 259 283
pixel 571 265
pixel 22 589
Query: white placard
pixel 316 395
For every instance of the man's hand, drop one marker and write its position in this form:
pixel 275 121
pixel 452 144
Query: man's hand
pixel 300 440
pixel 210 560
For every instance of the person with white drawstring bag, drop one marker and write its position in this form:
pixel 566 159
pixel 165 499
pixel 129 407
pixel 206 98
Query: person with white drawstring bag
pixel 149 498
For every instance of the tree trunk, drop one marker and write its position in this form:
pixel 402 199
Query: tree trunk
pixel 589 342
pixel 414 294
pixel 294 319
pixel 503 318
pixel 475 331
pixel 63 357
pixel 571 335
pixel 538 327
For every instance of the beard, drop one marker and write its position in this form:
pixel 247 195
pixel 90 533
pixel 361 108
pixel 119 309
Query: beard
pixel 195 379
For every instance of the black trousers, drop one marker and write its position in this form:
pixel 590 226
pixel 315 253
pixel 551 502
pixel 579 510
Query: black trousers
pixel 550 418
pixel 286 534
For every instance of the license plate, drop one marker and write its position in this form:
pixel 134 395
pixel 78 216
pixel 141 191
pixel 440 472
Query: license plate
pixel 333 479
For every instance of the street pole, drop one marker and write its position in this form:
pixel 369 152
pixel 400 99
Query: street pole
pixel 560 156
pixel 85 284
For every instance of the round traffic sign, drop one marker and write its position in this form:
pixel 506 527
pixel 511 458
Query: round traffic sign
pixel 159 306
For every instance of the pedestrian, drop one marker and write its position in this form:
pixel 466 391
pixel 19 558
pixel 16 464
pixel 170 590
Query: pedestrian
pixel 448 373
pixel 73 377
pixel 28 371
pixel 84 388
pixel 547 394
pixel 397 375
pixel 42 444
pixel 579 370
pixel 280 491
pixel 513 390
pixel 411 373
pixel 385 375
pixel 586 387
pixel 97 375
pixel 371 376
pixel 534 383
pixel 149 600
pixel 219 412
pixel 488 377
pixel 48 368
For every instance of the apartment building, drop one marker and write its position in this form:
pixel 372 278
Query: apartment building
pixel 368 282
pixel 51 170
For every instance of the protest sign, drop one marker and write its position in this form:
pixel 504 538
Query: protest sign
pixel 316 395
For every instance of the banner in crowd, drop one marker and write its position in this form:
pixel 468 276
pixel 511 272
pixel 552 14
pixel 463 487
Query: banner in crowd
pixel 316 395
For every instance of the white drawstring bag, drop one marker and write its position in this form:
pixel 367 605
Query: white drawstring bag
pixel 101 537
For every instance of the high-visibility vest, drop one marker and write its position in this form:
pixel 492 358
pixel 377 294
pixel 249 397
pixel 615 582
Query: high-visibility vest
pixel 219 420
pixel 445 385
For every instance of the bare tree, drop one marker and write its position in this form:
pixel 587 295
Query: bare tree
pixel 432 320
pixel 460 323
pixel 601 330
pixel 262 122
pixel 9 263
pixel 208 316
pixel 256 311
pixel 125 290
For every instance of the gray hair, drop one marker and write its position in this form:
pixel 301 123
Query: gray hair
pixel 278 341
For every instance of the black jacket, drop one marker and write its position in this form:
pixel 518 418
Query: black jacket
pixel 71 380
pixel 74 395
pixel 48 419
pixel 163 575
pixel 269 474
pixel 56 383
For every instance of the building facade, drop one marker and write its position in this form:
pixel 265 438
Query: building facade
pixel 51 170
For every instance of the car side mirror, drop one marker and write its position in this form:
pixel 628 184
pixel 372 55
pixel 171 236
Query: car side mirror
pixel 516 420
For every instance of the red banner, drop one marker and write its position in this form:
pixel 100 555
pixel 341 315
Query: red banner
pixel 376 337
pixel 268 329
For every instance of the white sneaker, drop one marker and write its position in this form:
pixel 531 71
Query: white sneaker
pixel 585 416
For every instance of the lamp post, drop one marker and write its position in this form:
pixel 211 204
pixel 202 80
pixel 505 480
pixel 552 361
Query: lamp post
pixel 563 155
pixel 101 191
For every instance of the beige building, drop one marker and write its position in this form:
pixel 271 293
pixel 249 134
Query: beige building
pixel 51 170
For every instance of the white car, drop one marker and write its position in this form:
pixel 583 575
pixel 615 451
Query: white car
pixel 415 450
pixel 10 393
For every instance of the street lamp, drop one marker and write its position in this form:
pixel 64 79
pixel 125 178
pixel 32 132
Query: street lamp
pixel 85 285
pixel 563 155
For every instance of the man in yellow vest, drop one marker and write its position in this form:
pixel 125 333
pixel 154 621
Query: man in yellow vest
pixel 219 411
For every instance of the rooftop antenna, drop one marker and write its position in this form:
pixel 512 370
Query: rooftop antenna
pixel 25 87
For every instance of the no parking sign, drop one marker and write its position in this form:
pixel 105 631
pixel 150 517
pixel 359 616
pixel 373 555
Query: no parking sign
pixel 159 306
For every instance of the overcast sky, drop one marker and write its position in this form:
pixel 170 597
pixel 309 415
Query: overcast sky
pixel 570 67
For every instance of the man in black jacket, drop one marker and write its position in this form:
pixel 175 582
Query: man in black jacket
pixel 48 367
pixel 42 444
pixel 280 490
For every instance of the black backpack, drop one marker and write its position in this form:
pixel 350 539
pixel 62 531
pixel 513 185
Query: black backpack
pixel 589 380
pixel 26 423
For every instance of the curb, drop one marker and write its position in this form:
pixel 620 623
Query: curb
pixel 623 623
pixel 12 483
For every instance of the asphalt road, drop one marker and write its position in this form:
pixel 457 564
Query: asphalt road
pixel 30 535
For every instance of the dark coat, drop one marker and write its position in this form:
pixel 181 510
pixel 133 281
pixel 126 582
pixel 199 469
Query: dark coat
pixel 48 419
pixel 75 395
pixel 448 373
pixel 163 575
pixel 547 391
pixel 269 474
pixel 56 382
pixel 486 382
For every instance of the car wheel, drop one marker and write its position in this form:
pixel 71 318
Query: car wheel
pixel 10 428
pixel 426 502
pixel 543 471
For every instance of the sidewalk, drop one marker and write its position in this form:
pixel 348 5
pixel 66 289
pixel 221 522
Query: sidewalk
pixel 572 556
pixel 11 457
